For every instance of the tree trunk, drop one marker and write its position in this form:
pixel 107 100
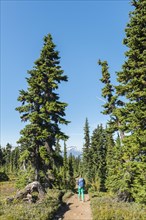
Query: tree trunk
pixel 29 189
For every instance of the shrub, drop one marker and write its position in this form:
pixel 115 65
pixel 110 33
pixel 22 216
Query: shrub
pixel 44 209
pixel 67 195
pixel 105 207
pixel 3 177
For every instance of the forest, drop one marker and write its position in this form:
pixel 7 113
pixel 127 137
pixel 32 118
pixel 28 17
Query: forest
pixel 113 159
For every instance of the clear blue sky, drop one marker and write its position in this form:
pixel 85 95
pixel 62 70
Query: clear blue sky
pixel 83 32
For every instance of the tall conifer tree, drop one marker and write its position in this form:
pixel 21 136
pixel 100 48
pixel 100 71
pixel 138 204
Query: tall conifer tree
pixel 42 109
pixel 112 100
pixel 114 164
pixel 131 114
pixel 98 152
pixel 132 86
pixel 86 152
pixel 65 166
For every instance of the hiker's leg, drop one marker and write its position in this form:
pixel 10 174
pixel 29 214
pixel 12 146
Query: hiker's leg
pixel 79 193
pixel 82 193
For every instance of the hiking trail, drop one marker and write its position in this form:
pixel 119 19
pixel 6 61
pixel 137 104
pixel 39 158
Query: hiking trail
pixel 75 209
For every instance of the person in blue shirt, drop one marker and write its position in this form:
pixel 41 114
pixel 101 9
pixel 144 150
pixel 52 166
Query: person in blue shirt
pixel 81 188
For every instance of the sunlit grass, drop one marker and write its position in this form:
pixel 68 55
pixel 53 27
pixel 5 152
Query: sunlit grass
pixel 41 210
pixel 7 189
pixel 106 208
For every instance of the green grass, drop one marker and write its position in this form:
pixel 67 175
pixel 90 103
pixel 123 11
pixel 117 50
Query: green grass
pixel 7 189
pixel 41 210
pixel 104 207
pixel 67 195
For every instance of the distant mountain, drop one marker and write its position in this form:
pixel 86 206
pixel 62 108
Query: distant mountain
pixel 74 151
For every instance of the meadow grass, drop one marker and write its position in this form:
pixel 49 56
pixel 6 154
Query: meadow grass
pixel 20 210
pixel 104 207
pixel 7 189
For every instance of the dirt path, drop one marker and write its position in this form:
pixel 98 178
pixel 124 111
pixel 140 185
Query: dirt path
pixel 75 210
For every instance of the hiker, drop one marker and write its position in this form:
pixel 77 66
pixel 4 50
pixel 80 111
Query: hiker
pixel 81 188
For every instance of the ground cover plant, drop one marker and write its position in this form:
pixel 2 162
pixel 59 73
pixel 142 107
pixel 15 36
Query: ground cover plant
pixel 106 207
pixel 17 210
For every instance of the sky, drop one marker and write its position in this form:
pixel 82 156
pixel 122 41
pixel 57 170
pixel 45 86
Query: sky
pixel 83 32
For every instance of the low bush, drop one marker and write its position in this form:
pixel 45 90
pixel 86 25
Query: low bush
pixel 3 177
pixel 105 207
pixel 67 195
pixel 43 209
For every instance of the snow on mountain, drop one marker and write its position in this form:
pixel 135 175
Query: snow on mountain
pixel 74 151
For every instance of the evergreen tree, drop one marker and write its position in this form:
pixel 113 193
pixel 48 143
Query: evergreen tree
pixel 130 113
pixel 1 156
pixel 86 152
pixel 114 164
pixel 15 159
pixel 77 164
pixel 98 153
pixel 107 91
pixel 58 159
pixel 7 157
pixel 71 179
pixel 132 86
pixel 65 165
pixel 70 166
pixel 112 100
pixel 42 109
pixel 57 147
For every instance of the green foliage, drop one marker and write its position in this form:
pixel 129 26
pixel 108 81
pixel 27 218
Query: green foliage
pixel 71 178
pixel 24 177
pixel 3 177
pixel 86 163
pixel 77 163
pixel 98 154
pixel 42 109
pixel 9 157
pixel 139 182
pixel 58 182
pixel 125 104
pixel 7 190
pixel 114 166
pixel 64 176
pixel 54 194
pixel 107 91
pixel 95 185
pixel 44 210
pixel 111 107
pixel 67 195
pixel 104 207
pixel 44 154
pixel 132 87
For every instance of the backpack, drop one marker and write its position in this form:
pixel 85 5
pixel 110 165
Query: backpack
pixel 81 182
